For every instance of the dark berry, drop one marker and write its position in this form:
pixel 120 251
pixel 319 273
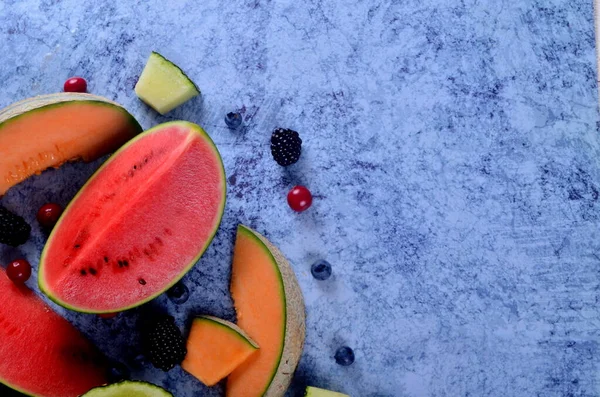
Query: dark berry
pixel 233 120
pixel 163 343
pixel 344 356
pixel 48 215
pixel 178 293
pixel 286 146
pixel 299 198
pixel 321 270
pixel 75 84
pixel 117 372
pixel 13 228
pixel 18 271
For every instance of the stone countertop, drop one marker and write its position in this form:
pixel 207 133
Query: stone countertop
pixel 452 148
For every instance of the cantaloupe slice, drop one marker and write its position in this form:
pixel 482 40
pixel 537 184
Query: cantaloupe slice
pixel 46 131
pixel 270 308
pixel 216 347
pixel 316 392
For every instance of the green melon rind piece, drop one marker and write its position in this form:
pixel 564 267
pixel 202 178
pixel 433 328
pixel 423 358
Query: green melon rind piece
pixel 228 327
pixel 185 124
pixel 128 389
pixel 163 85
pixel 294 312
pixel 316 392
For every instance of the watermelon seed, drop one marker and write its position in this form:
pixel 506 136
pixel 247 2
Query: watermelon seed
pixel 142 281
pixel 77 245
pixel 83 272
pixel 135 167
pixel 120 263
pixel 106 259
pixel 125 263
pixel 92 271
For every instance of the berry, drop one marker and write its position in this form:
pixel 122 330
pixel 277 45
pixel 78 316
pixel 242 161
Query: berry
pixel 233 120
pixel 286 146
pixel 48 215
pixel 321 270
pixel 13 229
pixel 344 356
pixel 178 293
pixel 117 372
pixel 164 343
pixel 18 271
pixel 75 84
pixel 299 198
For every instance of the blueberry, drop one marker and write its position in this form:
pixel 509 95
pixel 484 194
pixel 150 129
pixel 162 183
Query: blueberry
pixel 321 270
pixel 178 293
pixel 140 361
pixel 233 120
pixel 117 372
pixel 344 356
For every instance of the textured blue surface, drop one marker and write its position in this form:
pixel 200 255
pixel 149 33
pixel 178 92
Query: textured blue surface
pixel 452 148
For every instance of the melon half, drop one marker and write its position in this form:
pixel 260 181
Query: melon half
pixel 270 308
pixel 139 224
pixel 46 131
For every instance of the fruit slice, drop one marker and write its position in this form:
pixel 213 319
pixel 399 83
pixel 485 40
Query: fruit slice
pixel 128 389
pixel 49 130
pixel 139 224
pixel 316 392
pixel 41 354
pixel 163 85
pixel 269 306
pixel 215 348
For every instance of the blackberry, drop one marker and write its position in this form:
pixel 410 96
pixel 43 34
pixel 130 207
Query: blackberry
pixel 13 229
pixel 286 146
pixel 163 343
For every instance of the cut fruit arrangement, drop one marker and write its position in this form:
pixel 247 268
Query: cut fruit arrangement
pixel 110 250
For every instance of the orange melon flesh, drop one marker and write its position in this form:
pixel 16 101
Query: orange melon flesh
pixel 215 348
pixel 139 224
pixel 50 135
pixel 259 299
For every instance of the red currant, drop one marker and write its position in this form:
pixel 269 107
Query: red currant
pixel 299 198
pixel 19 271
pixel 48 215
pixel 75 84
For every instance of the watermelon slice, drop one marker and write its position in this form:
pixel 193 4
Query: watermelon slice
pixel 139 224
pixel 41 354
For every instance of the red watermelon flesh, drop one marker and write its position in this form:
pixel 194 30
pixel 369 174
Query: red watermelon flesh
pixel 139 224
pixel 41 353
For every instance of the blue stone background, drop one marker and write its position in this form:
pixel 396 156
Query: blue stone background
pixel 452 148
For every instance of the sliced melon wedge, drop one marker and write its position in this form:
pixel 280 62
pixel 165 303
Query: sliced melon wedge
pixel 163 85
pixel 215 348
pixel 316 392
pixel 49 130
pixel 270 308
pixel 128 389
pixel 139 223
